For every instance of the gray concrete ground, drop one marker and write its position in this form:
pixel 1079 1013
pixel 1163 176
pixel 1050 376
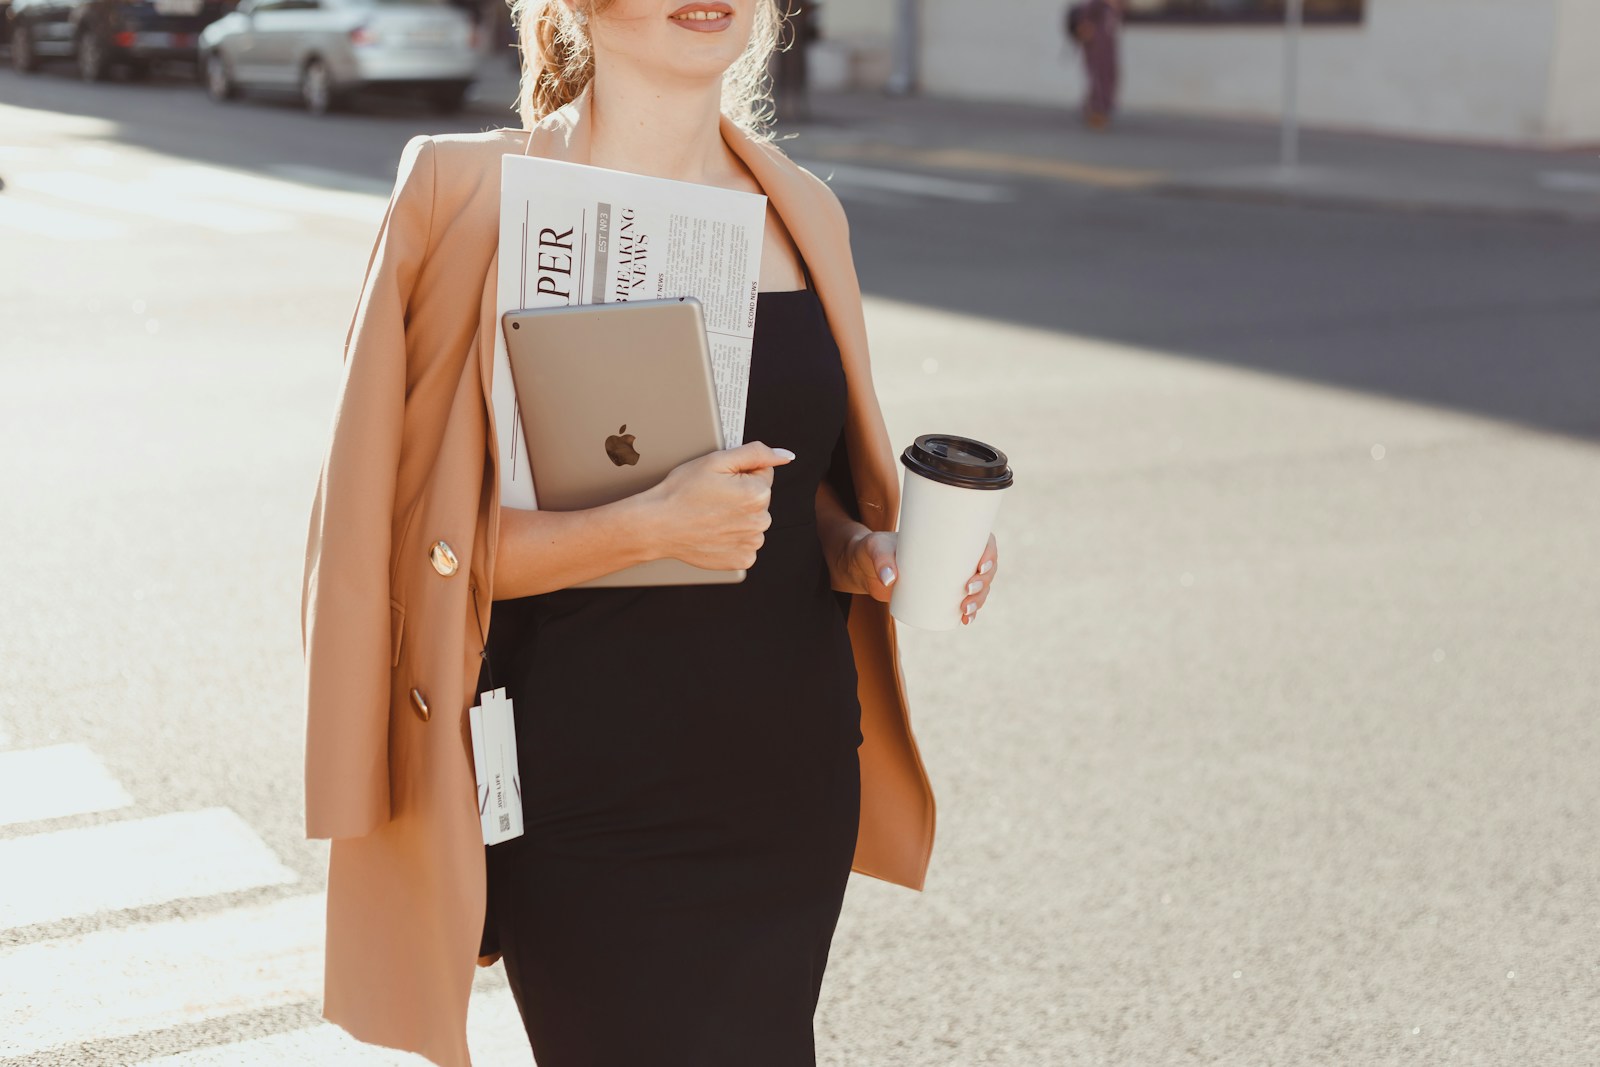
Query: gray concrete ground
pixel 1276 744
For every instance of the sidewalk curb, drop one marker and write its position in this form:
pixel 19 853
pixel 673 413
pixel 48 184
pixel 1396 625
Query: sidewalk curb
pixel 1201 189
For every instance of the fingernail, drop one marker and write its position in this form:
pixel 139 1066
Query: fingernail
pixel 974 586
pixel 886 575
pixel 784 452
pixel 972 608
pixel 988 565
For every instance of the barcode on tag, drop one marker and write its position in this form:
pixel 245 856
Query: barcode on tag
pixel 494 764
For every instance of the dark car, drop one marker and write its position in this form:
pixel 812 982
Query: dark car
pixel 102 34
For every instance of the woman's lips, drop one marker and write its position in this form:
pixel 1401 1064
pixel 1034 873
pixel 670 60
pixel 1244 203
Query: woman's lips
pixel 703 18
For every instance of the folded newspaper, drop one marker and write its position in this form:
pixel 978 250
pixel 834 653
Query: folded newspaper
pixel 575 234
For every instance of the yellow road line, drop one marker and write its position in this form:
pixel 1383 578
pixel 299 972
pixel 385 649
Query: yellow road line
pixel 1003 162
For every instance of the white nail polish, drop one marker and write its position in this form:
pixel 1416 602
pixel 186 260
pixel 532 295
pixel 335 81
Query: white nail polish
pixel 886 576
pixel 974 586
pixel 988 565
pixel 972 609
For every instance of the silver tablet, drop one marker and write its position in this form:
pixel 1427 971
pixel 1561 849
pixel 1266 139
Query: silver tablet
pixel 611 397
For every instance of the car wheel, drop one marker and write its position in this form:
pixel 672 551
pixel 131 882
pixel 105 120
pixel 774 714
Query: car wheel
pixel 220 85
pixel 316 88
pixel 93 63
pixel 23 58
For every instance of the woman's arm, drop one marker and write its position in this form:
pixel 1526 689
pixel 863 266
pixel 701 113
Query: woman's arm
pixel 858 560
pixel 540 551
pixel 710 512
pixel 863 561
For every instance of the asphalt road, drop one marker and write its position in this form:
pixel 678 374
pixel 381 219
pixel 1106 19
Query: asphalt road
pixel 1277 743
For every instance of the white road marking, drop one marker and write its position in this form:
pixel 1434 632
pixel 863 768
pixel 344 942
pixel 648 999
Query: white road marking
pixel 58 223
pixel 494 1030
pixel 150 198
pixel 1571 181
pixel 896 181
pixel 132 863
pixel 494 1034
pixel 294 197
pixel 303 174
pixel 320 1045
pixel 211 198
pixel 112 983
pixel 47 783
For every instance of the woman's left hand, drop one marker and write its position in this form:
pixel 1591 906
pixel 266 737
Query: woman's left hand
pixel 982 580
pixel 870 568
pixel 869 564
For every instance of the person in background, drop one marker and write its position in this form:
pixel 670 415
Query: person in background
pixel 1094 26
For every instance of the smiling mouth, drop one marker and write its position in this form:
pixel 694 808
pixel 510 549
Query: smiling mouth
pixel 703 18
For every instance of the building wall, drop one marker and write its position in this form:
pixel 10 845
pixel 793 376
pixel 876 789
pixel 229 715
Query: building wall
pixel 850 19
pixel 1483 69
pixel 1574 111
pixel 857 36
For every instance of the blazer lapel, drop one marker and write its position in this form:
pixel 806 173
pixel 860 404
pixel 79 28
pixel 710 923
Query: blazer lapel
pixel 810 218
pixel 809 215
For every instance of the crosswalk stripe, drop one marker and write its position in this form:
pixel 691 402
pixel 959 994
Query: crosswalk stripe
pixel 276 193
pixel 47 783
pixel 112 983
pixel 144 196
pixel 326 177
pixel 916 184
pixel 320 1045
pixel 494 1035
pixel 58 223
pixel 154 976
pixel 132 863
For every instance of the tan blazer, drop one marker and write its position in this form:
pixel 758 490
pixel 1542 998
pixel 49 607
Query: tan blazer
pixel 391 638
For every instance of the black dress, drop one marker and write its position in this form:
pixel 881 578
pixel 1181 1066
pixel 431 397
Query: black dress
pixel 690 777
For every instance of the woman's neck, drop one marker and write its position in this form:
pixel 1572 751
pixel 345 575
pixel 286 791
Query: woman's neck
pixel 641 126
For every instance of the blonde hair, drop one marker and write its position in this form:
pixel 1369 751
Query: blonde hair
pixel 558 63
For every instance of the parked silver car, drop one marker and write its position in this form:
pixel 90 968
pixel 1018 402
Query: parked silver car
pixel 328 50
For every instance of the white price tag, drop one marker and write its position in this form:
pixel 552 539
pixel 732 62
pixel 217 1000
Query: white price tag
pixel 494 758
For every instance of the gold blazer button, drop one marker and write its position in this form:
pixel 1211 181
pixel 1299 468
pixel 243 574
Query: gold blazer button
pixel 443 558
pixel 420 704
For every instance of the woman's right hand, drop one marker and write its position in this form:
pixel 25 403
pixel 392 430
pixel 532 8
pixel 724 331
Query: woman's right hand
pixel 712 512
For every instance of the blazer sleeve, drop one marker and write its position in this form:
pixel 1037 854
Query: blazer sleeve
pixel 345 598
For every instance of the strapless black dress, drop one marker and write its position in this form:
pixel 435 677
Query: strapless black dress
pixel 690 778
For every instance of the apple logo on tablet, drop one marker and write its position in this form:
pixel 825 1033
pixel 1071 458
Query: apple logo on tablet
pixel 619 446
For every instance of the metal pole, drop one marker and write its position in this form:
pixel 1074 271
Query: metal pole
pixel 1294 18
pixel 903 77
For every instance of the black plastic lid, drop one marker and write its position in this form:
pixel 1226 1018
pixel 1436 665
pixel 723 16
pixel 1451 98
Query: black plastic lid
pixel 958 461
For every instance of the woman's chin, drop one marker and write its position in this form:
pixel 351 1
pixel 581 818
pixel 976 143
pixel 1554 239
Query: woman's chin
pixel 697 69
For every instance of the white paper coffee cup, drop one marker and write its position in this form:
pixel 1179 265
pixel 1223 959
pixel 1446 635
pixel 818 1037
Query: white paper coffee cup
pixel 953 487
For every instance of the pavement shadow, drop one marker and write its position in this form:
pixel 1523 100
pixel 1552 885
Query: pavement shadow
pixel 357 146
pixel 1495 316
pixel 1492 316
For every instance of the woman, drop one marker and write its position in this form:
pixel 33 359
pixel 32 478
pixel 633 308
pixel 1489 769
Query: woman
pixel 1096 26
pixel 694 806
